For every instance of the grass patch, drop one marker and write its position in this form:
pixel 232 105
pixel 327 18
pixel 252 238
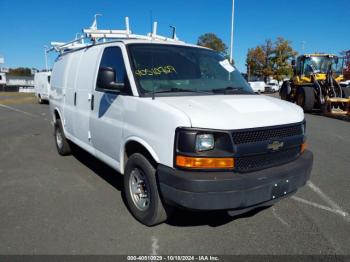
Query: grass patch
pixel 15 98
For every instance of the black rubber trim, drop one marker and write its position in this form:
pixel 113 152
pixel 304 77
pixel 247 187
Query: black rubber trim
pixel 229 190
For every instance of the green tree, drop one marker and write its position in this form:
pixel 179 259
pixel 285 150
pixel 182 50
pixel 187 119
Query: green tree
pixel 211 40
pixel 20 71
pixel 271 59
pixel 256 60
pixel 283 54
pixel 268 48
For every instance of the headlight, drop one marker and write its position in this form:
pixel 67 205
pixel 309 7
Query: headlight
pixel 203 149
pixel 204 142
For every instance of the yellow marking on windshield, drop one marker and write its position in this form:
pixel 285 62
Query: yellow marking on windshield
pixel 156 71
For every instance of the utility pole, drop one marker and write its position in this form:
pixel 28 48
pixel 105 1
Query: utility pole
pixel 303 46
pixel 232 29
pixel 45 51
pixel 248 72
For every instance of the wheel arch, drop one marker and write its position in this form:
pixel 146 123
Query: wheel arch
pixel 56 114
pixel 136 145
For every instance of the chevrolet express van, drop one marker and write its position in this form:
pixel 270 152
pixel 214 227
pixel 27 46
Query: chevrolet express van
pixel 42 86
pixel 181 124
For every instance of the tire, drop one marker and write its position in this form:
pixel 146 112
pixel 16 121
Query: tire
pixel 346 91
pixel 285 91
pixel 62 144
pixel 40 101
pixel 150 211
pixel 306 98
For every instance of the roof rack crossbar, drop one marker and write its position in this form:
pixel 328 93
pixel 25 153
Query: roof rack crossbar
pixel 95 35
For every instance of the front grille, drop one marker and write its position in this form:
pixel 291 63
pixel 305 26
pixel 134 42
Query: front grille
pixel 243 137
pixel 253 163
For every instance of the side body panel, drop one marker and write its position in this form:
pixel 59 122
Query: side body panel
pixel 85 82
pixel 152 123
pixel 71 96
pixel 58 86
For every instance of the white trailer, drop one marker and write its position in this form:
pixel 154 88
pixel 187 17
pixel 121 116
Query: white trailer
pixel 42 86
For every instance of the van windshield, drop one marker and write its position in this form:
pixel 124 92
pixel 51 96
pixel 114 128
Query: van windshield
pixel 173 69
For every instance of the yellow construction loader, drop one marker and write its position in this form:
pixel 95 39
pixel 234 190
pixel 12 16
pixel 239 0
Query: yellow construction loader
pixel 315 84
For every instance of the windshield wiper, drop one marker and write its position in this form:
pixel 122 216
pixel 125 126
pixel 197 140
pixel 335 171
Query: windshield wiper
pixel 175 89
pixel 230 90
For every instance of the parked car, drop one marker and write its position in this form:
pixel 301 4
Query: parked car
pixel 42 86
pixel 181 124
pixel 345 83
pixel 257 86
pixel 272 87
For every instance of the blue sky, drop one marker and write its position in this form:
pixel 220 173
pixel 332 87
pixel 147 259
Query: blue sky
pixel 26 26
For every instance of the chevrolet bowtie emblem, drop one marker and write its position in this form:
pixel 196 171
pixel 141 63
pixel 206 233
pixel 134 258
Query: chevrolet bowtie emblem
pixel 275 145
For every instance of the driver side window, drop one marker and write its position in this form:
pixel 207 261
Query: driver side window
pixel 112 58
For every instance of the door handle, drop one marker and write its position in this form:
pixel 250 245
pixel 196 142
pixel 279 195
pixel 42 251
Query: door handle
pixel 75 98
pixel 92 102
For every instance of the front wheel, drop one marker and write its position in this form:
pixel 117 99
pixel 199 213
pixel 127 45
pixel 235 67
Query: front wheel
pixel 141 191
pixel 306 98
pixel 346 92
pixel 285 91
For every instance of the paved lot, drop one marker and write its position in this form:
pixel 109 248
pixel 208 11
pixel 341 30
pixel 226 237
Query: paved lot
pixel 73 205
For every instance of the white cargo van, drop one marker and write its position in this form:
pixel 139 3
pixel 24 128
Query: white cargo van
pixel 42 86
pixel 2 79
pixel 180 123
pixel 257 86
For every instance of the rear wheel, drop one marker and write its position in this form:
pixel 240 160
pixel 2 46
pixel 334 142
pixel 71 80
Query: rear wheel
pixel 40 101
pixel 141 191
pixel 61 141
pixel 306 98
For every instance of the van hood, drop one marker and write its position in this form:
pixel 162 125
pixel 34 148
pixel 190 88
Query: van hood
pixel 230 112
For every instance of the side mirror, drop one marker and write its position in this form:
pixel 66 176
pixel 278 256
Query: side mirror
pixel 106 79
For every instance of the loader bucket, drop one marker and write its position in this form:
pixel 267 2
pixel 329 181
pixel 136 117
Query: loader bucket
pixel 337 106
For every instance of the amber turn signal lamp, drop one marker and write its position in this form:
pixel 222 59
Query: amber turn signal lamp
pixel 303 147
pixel 205 162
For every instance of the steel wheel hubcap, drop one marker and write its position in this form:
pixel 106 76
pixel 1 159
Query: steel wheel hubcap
pixel 59 138
pixel 139 189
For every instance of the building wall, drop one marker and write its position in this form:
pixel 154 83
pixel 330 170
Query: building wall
pixel 20 80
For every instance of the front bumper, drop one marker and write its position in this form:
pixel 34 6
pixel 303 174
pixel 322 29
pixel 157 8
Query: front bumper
pixel 233 191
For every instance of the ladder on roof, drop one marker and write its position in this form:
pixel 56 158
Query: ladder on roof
pixel 97 35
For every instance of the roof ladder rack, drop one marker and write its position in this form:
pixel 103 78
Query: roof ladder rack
pixel 96 35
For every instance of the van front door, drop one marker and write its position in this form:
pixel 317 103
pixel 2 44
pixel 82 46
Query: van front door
pixel 106 122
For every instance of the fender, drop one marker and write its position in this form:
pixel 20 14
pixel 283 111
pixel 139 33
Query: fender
pixel 53 114
pixel 140 141
pixel 62 119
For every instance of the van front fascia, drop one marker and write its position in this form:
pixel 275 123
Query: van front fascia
pixel 252 149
